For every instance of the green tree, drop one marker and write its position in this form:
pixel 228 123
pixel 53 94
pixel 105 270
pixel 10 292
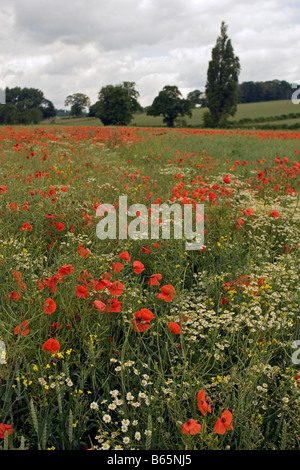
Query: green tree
pixel 195 97
pixel 170 104
pixel 133 95
pixel 78 103
pixel 25 106
pixel 114 106
pixel 222 82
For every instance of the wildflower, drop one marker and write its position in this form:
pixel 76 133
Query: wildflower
pixel 13 295
pixel 175 328
pixel 137 436
pixel 5 428
pixel 51 345
pixel 113 305
pixel 65 270
pixel 26 227
pixel 116 288
pixel 142 320
pixel 83 252
pixel 167 293
pixel 154 279
pixel 116 267
pixel 224 423
pixel 49 306
pixel 60 227
pixel 203 406
pixel 82 291
pixel 106 418
pixel 191 427
pixel 94 406
pixel 274 214
pixel 125 256
pixel 138 267
pixel 100 306
pixel 23 331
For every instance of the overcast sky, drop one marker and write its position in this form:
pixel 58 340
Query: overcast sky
pixel 68 46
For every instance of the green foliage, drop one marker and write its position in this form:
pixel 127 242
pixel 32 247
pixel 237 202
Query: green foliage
pixel 222 82
pixel 115 104
pixel 196 98
pixel 25 106
pixel 254 92
pixel 170 104
pixel 78 103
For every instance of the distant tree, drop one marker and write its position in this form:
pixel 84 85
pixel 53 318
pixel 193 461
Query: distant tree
pixel 194 97
pixel 170 104
pixel 78 103
pixel 25 106
pixel 133 96
pixel 48 109
pixel 8 114
pixel 114 106
pixel 222 82
pixel 254 92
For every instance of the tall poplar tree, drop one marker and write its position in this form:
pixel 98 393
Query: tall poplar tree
pixel 222 82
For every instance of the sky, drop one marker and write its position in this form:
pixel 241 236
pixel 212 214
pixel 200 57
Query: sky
pixel 78 46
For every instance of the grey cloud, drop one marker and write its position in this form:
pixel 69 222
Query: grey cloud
pixel 66 46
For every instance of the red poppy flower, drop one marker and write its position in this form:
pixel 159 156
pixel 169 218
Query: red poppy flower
pixel 142 319
pixel 3 189
pixel 13 295
pixel 226 179
pixel 49 306
pixel 22 331
pixel 191 427
pixel 83 252
pixel 125 256
pixel 18 276
pixel 51 345
pixel 274 214
pixel 82 291
pixel 224 423
pixel 65 270
pixel 113 305
pixel 138 267
pixel 175 328
pixel 5 428
pixel 167 293
pixel 102 284
pixel 26 227
pixel 60 226
pixel 203 406
pixel 154 278
pixel 116 288
pixel 116 267
pixel 249 211
pixel 99 305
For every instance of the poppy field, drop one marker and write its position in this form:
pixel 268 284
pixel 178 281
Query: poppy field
pixel 139 343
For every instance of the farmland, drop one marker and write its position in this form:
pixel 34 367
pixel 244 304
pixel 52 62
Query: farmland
pixel 139 343
pixel 270 113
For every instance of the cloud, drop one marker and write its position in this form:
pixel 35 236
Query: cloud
pixel 63 47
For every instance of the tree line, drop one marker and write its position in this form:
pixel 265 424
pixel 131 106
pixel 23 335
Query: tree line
pixel 116 104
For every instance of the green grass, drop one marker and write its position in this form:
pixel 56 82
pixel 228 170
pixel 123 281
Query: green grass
pixel 248 110
pixel 237 299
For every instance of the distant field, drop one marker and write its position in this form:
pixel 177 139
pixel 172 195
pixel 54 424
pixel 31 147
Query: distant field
pixel 245 111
